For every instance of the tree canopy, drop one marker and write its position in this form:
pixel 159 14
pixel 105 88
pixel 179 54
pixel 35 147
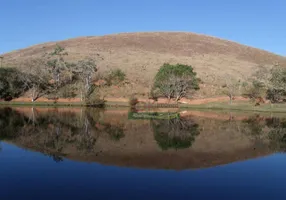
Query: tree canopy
pixel 175 81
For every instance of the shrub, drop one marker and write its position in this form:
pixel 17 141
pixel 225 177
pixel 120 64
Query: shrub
pixel 256 90
pixel 68 92
pixel 93 99
pixel 115 77
pixel 115 133
pixel 133 101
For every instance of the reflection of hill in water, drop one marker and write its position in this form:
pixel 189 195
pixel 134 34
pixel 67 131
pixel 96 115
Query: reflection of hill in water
pixel 108 137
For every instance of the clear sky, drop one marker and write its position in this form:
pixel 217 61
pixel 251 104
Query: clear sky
pixel 258 23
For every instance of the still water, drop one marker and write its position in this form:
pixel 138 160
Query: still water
pixel 74 153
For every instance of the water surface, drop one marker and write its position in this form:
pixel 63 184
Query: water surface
pixel 74 153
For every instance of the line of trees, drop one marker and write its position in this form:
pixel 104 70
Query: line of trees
pixel 268 83
pixel 177 81
pixel 51 74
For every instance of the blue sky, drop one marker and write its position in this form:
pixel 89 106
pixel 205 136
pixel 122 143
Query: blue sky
pixel 258 23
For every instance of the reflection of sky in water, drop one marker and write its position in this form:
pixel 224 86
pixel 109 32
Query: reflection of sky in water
pixel 30 175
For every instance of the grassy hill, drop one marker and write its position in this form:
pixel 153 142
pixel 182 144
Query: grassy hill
pixel 140 55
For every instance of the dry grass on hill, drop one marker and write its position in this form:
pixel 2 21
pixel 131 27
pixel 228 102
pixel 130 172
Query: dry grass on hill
pixel 140 55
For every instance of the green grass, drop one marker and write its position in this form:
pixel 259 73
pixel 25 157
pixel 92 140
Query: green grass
pixel 59 104
pixel 239 107
pixel 224 106
pixel 40 104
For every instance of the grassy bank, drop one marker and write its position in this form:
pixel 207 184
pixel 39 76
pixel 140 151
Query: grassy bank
pixel 4 103
pixel 59 104
pixel 238 106
pixel 224 106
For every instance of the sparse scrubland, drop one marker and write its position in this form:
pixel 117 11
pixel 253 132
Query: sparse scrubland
pixel 151 66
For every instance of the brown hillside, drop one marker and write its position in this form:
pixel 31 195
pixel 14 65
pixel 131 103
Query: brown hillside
pixel 141 54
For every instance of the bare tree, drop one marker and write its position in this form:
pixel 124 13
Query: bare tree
pixel 166 88
pixel 182 85
pixel 86 70
pixel 263 76
pixel 231 87
pixel 56 64
pixel 37 79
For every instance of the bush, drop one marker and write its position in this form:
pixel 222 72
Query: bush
pixel 275 95
pixel 68 92
pixel 93 99
pixel 115 133
pixel 133 101
pixel 11 84
pixel 115 77
pixel 255 90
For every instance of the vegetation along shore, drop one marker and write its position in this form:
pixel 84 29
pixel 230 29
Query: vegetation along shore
pixel 138 74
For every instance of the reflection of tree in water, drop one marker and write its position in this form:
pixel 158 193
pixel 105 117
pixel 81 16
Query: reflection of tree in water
pixel 52 132
pixel 277 133
pixel 11 122
pixel 55 157
pixel 115 133
pixel 176 133
pixel 253 127
pixel 271 129
pixel 88 136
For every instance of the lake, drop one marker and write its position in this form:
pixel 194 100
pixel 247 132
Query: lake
pixel 87 153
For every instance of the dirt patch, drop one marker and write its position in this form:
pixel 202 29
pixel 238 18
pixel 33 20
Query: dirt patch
pixel 46 100
pixel 210 100
pixel 126 100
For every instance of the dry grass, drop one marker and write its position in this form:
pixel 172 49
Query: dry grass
pixel 140 55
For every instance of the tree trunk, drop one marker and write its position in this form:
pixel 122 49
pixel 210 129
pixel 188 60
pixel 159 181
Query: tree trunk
pixel 169 99
pixel 230 99
pixel 178 98
pixel 33 116
pixel 35 95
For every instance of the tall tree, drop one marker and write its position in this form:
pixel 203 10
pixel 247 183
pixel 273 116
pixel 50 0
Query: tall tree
pixel 57 64
pixel 273 79
pixel 85 70
pixel 231 87
pixel 36 79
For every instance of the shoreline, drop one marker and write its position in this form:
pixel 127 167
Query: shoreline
pixel 236 106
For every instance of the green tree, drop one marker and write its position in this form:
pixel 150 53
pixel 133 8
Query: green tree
pixel 273 80
pixel 11 83
pixel 175 81
pixel 278 84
